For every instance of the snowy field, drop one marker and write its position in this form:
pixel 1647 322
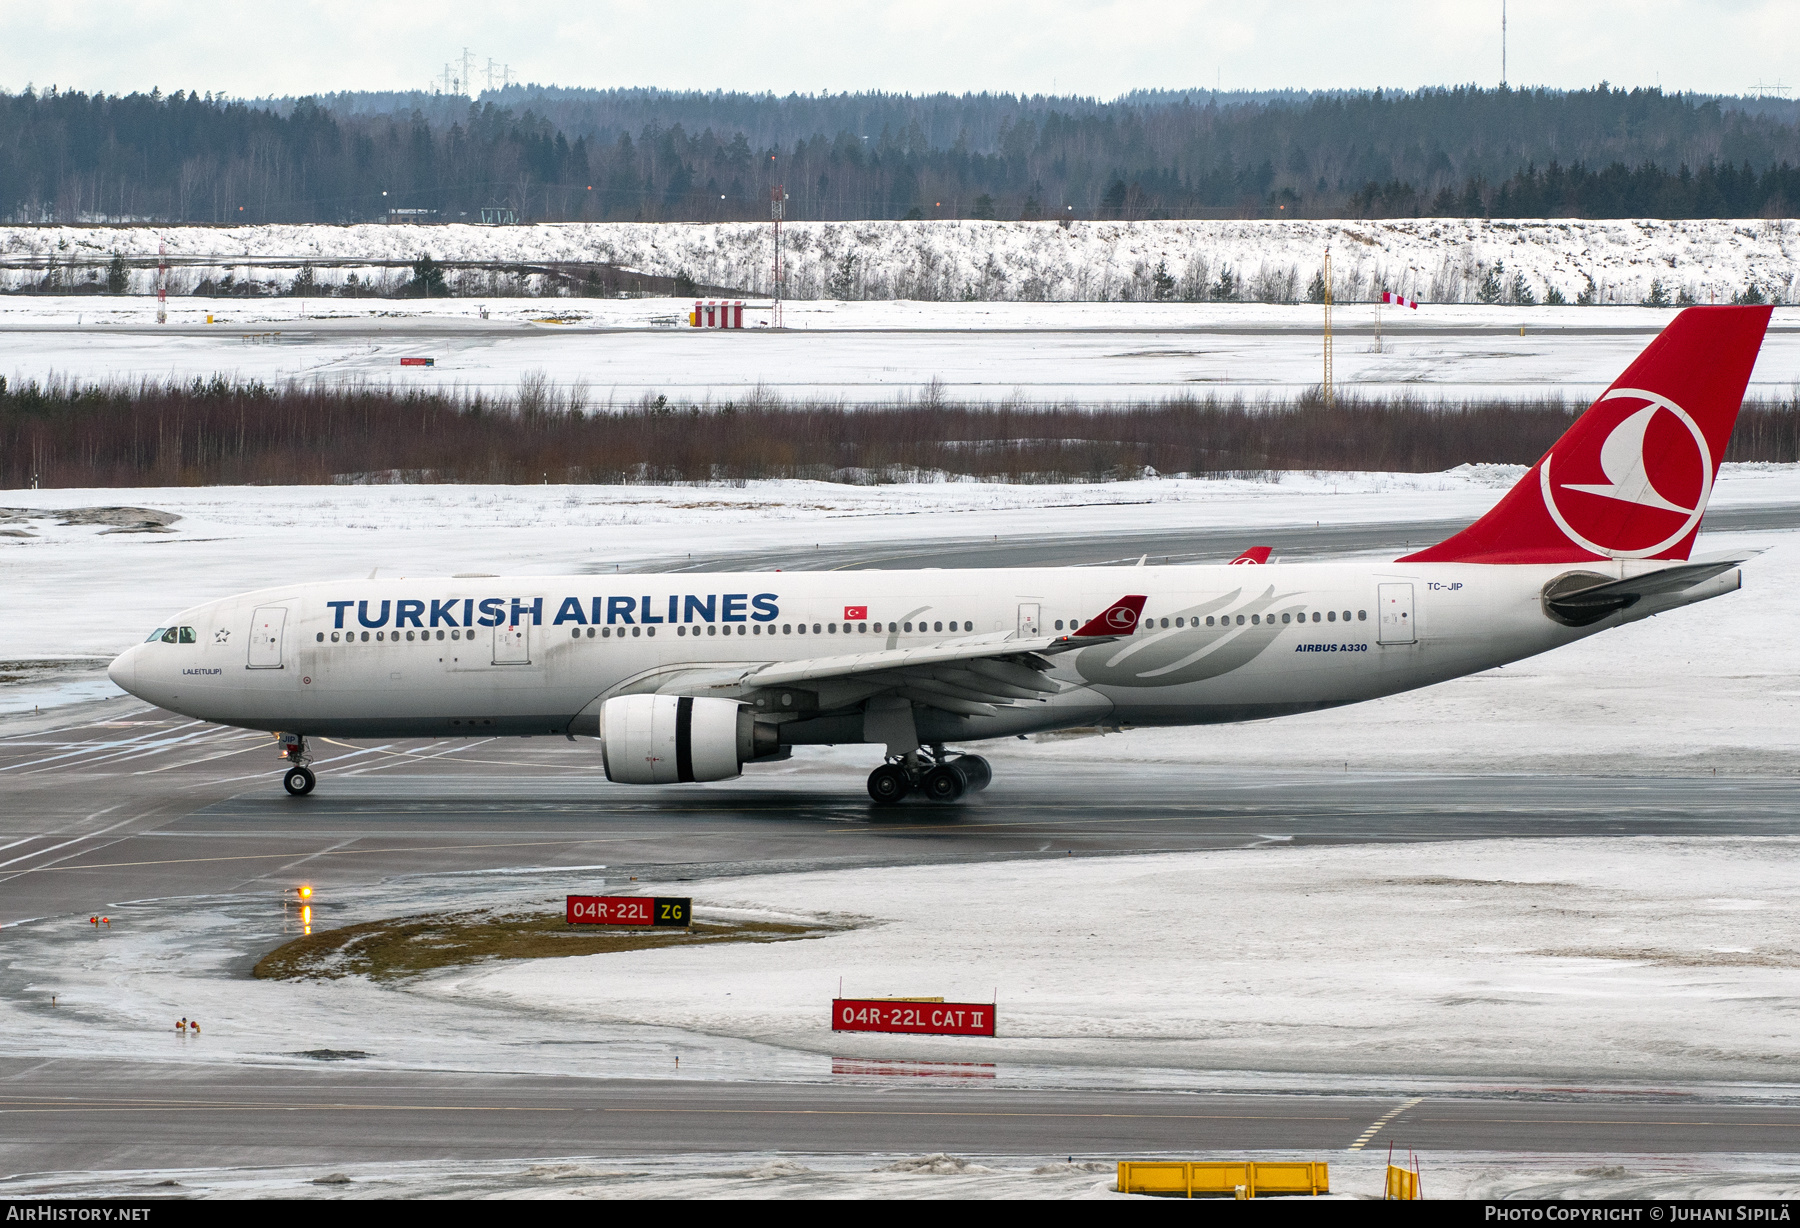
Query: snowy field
pixel 1722 696
pixel 1490 967
pixel 1624 967
pixel 618 352
pixel 1446 1174
pixel 1439 260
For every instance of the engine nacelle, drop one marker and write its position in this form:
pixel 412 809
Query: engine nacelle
pixel 673 739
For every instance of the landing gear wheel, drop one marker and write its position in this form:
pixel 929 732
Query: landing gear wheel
pixel 299 781
pixel 943 783
pixel 888 785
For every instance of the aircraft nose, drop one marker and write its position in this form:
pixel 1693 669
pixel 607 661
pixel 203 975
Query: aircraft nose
pixel 123 670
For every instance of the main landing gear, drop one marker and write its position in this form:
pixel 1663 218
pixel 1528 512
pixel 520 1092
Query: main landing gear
pixel 938 776
pixel 298 780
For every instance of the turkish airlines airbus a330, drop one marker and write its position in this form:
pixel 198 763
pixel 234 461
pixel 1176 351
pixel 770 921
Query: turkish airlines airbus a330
pixel 690 677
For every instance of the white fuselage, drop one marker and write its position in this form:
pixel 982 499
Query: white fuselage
pixel 536 655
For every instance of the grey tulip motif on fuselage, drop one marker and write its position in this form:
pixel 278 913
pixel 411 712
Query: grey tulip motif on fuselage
pixel 1190 653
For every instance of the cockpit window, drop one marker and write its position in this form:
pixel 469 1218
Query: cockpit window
pixel 187 635
pixel 155 635
pixel 171 635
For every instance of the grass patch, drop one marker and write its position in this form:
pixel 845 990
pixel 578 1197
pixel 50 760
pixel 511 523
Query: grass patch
pixel 408 946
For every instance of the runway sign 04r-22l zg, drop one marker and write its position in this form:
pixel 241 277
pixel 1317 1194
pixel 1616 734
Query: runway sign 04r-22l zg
pixel 637 910
pixel 921 1018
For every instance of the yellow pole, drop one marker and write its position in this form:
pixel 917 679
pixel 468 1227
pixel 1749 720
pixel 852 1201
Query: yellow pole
pixel 1327 383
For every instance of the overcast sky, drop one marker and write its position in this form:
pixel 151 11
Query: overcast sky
pixel 1093 47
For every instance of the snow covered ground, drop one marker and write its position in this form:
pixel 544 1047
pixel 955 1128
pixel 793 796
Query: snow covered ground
pixel 621 351
pixel 785 1175
pixel 1721 696
pixel 1495 967
pixel 1435 259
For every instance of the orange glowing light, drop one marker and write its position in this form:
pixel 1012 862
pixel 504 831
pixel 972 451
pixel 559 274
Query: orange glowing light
pixel 305 893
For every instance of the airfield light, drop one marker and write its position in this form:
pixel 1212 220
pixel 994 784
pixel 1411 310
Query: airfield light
pixel 305 892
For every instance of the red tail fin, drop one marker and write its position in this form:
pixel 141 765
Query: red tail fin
pixel 1253 556
pixel 1631 478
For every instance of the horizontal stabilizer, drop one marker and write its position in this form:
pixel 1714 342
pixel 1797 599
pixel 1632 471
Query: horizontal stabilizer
pixel 1580 598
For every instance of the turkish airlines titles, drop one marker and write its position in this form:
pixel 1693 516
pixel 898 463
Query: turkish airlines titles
pixel 517 611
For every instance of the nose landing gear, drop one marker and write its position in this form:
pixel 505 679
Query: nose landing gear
pixel 940 778
pixel 298 780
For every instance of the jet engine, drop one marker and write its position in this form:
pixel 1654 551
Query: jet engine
pixel 672 739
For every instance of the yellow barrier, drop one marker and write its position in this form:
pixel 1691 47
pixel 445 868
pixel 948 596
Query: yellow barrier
pixel 1223 1178
pixel 1402 1183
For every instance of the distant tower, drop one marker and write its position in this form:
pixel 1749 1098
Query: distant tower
pixel 162 282
pixel 1502 44
pixel 777 208
pixel 468 69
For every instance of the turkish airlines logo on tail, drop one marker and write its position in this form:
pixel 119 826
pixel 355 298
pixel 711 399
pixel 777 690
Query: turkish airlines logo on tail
pixel 1642 489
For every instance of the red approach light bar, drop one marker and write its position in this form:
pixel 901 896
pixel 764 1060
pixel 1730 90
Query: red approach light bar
pixel 418 362
pixel 919 1018
pixel 675 912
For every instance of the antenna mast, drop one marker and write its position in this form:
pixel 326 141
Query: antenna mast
pixel 1502 44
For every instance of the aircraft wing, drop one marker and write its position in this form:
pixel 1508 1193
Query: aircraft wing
pixel 972 675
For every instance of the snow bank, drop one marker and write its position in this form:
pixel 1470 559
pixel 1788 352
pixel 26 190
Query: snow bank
pixel 1434 259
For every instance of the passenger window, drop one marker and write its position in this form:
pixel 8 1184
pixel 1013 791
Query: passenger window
pixel 1209 620
pixel 1287 618
pixel 906 626
pixel 815 628
pixel 1240 620
pixel 409 637
pixel 862 628
pixel 365 637
pixel 787 629
pixel 321 637
pixel 1331 616
pixel 334 637
pixel 937 626
pixel 635 631
pixel 574 633
pixel 740 629
pixel 650 631
pixel 1315 616
pixel 187 635
pixel 1256 620
pixel 156 635
pixel 1362 616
